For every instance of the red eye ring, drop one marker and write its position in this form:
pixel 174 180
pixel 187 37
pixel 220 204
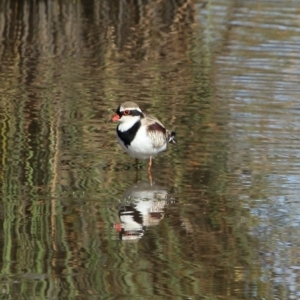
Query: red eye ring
pixel 126 112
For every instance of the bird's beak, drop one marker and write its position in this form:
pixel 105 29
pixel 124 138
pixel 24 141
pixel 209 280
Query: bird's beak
pixel 115 118
pixel 118 227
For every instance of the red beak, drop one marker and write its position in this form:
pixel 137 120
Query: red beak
pixel 115 118
pixel 118 227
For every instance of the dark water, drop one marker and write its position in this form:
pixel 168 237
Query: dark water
pixel 221 220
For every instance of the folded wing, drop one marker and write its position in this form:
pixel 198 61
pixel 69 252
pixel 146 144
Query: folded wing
pixel 158 133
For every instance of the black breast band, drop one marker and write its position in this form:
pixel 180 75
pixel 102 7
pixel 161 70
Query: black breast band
pixel 128 135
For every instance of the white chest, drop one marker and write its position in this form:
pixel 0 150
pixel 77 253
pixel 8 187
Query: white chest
pixel 141 146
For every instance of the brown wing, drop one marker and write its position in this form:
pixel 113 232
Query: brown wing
pixel 157 127
pixel 156 131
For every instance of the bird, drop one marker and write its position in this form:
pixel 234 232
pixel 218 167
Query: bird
pixel 141 136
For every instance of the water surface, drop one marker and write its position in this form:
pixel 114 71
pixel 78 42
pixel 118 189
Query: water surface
pixel 220 220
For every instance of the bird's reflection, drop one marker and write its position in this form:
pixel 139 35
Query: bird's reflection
pixel 143 206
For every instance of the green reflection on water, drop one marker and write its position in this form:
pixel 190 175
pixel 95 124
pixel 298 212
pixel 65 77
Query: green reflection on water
pixel 63 175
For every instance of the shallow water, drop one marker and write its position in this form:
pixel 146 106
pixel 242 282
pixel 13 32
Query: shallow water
pixel 220 220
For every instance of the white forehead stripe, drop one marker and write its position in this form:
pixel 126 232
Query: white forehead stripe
pixel 130 108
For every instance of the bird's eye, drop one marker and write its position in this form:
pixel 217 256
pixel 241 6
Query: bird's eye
pixel 126 112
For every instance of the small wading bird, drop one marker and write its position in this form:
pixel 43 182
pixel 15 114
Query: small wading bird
pixel 140 135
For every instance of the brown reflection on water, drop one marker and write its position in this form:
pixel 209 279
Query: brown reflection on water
pixel 143 206
pixel 64 66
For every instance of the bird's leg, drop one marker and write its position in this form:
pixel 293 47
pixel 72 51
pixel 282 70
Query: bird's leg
pixel 150 178
pixel 150 164
pixel 136 163
pixel 149 170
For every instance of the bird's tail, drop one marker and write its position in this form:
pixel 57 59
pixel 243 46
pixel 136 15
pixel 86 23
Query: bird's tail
pixel 171 138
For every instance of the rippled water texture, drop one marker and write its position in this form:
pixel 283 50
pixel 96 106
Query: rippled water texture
pixel 221 218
